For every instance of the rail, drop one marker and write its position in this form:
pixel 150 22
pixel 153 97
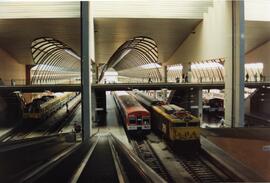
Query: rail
pixel 120 162
pixel 149 174
pixel 144 150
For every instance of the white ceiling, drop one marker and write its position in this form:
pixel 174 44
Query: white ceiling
pixel 45 9
pixel 110 33
pixel 257 10
pixel 17 30
pixel 185 9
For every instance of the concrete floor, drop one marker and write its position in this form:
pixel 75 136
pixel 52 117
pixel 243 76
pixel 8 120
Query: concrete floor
pixel 245 150
pixel 111 123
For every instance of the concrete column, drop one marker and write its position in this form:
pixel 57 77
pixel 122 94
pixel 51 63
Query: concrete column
pixel 94 72
pixel 234 67
pixel 28 74
pixel 165 73
pixel 96 69
pixel 164 94
pixel 86 73
pixel 187 70
pixel 200 104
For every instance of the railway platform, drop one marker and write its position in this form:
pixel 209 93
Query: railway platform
pixel 244 151
pixel 112 122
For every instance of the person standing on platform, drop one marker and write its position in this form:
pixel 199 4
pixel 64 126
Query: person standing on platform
pixel 255 76
pixel 261 77
pixel 149 80
pixel 177 79
pixel 247 77
pixel 1 81
pixel 183 77
pixel 186 78
pixel 67 107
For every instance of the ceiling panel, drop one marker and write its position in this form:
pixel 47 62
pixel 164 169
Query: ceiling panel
pixel 185 9
pixel 21 10
pixel 16 35
pixel 110 33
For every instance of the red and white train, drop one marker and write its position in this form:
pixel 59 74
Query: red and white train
pixel 135 116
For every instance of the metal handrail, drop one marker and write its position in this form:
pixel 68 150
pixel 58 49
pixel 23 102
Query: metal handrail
pixel 9 145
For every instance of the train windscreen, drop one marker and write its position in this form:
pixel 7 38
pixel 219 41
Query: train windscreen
pixel 146 120
pixel 132 120
pixel 139 120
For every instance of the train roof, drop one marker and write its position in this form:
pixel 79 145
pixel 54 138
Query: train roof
pixel 129 102
pixel 146 99
pixel 171 112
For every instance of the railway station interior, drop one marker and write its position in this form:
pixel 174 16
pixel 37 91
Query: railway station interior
pixel 135 91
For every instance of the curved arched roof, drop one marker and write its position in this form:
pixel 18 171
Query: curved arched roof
pixel 133 55
pixel 54 60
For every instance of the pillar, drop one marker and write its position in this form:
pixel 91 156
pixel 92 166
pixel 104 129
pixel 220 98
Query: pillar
pixel 234 68
pixel 85 71
pixel 187 70
pixel 200 104
pixel 165 73
pixel 96 69
pixel 28 74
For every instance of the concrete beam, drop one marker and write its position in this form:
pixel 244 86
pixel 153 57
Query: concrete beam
pixel 165 73
pixel 200 104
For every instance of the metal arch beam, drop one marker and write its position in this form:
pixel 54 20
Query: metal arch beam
pixel 41 65
pixel 48 52
pixel 53 60
pixel 145 47
pixel 43 59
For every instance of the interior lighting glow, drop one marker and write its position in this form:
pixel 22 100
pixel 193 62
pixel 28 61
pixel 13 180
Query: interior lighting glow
pixel 121 93
pixel 175 68
pixel 58 94
pixel 254 66
pixel 44 67
pixel 150 66
pixel 206 65
pixel 110 73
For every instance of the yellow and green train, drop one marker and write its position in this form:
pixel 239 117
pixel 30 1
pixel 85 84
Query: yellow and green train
pixel 175 123
pixel 43 107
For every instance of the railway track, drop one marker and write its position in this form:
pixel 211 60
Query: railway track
pixel 144 150
pixel 27 129
pixel 200 168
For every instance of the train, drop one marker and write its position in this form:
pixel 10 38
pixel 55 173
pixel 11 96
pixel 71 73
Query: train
pixel 135 117
pixel 173 122
pixel 42 108
pixel 215 101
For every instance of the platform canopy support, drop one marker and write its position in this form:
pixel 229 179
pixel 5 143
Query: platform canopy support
pixel 234 81
pixel 85 71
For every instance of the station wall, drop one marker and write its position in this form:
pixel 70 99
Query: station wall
pixel 10 68
pixel 260 54
pixel 211 39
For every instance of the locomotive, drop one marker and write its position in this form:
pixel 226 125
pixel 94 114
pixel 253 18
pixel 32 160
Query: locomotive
pixel 173 122
pixel 42 108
